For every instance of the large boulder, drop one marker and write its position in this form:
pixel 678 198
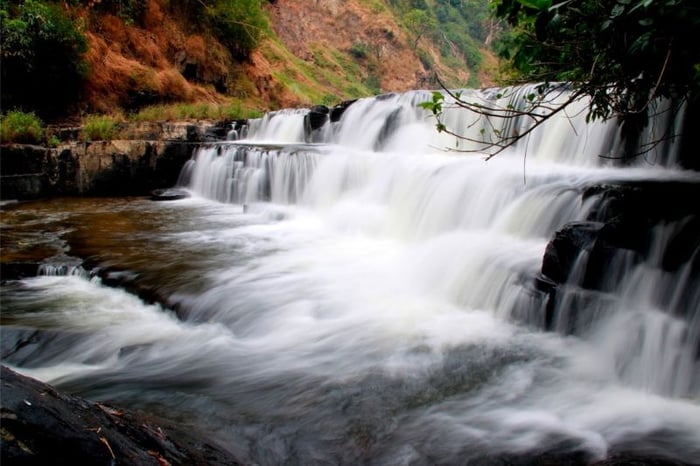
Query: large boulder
pixel 314 120
pixel 41 425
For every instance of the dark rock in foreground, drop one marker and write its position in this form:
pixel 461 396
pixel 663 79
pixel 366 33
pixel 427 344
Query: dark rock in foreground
pixel 42 426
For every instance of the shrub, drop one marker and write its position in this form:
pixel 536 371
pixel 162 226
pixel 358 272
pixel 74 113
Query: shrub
pixel 99 128
pixel 373 83
pixel 238 25
pixel 425 59
pixel 359 50
pixel 53 141
pixel 21 127
pixel 42 57
pixel 184 111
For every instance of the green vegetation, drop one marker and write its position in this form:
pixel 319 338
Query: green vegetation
pixel 460 28
pixel 203 111
pixel 130 11
pixel 42 57
pixel 620 53
pixel 99 128
pixel 43 46
pixel 20 127
pixel 239 25
pixel 419 23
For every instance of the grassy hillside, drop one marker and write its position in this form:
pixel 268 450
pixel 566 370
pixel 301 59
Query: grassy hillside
pixel 65 59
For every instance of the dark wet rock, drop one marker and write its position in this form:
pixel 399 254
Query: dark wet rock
pixel 103 168
pixel 386 96
pixel 585 260
pixel 645 203
pixel 391 124
pixel 320 109
pixel 41 425
pixel 313 121
pixel 169 194
pixel 623 221
pixel 18 270
pixel 217 132
pixel 566 247
pixel 338 110
pixel 23 171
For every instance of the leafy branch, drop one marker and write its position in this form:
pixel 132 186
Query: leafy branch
pixel 539 108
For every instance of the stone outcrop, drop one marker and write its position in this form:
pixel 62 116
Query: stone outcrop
pixel 41 425
pixel 97 168
pixel 622 228
pixel 315 120
pixel 150 157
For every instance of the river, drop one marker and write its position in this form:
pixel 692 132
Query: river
pixel 363 300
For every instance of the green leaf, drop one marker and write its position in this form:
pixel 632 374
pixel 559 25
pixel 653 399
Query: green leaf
pixel 617 10
pixel 559 5
pixel 537 4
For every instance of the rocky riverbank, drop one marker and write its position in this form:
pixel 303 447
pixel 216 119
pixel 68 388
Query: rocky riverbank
pixel 41 425
pixel 151 158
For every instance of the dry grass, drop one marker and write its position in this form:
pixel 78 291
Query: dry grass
pixel 131 67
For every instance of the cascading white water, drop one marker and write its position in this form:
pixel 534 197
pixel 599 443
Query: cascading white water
pixel 371 299
pixel 384 177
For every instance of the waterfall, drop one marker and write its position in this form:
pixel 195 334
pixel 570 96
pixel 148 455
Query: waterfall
pixel 370 294
pixel 483 226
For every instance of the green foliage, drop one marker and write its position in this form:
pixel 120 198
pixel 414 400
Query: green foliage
pixel 425 59
pixel 373 83
pixel 21 127
pixel 419 23
pixel 42 56
pixel 459 27
pixel 621 53
pixel 130 11
pixel 53 141
pixel 99 128
pixel 434 105
pixel 239 24
pixel 456 39
pixel 359 50
pixel 233 110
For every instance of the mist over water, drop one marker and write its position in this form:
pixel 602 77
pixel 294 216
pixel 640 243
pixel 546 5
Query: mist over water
pixel 368 300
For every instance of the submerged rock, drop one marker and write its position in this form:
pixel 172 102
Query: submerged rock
pixel 170 194
pixel 41 425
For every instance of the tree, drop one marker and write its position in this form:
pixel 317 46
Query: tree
pixel 419 23
pixel 623 55
pixel 42 57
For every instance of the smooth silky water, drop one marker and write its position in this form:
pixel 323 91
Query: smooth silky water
pixel 365 300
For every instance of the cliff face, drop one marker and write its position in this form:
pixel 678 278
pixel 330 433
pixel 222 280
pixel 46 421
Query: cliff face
pixel 314 52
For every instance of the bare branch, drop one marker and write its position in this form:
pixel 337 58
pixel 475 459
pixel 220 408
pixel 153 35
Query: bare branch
pixel 510 113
